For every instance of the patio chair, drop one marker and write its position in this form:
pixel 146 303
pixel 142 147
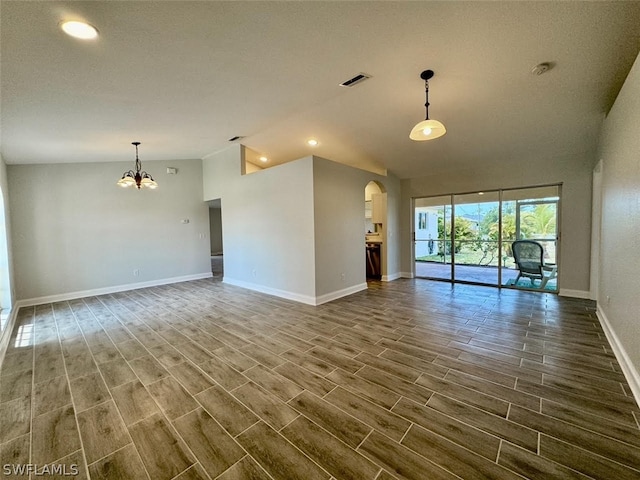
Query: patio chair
pixel 529 258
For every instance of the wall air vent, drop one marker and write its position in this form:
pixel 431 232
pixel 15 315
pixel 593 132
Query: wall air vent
pixel 361 77
pixel 233 139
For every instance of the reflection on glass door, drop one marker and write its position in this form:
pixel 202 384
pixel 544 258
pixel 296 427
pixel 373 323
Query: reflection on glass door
pixel 476 241
pixel 470 237
pixel 432 227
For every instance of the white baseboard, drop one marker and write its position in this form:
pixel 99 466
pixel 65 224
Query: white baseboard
pixel 406 275
pixel 328 297
pixel 6 334
pixel 392 277
pixel 107 290
pixel 565 292
pixel 629 370
pixel 296 297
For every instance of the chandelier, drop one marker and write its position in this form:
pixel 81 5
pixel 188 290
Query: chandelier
pixel 427 129
pixel 137 178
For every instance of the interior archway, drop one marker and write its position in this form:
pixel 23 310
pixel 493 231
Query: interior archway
pixel 375 197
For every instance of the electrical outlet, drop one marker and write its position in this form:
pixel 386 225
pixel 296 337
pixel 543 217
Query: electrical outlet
pixel 253 272
pixel 342 276
pixel 608 300
pixel 136 272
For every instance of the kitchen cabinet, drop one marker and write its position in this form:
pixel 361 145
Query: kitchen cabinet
pixel 378 208
pixel 367 208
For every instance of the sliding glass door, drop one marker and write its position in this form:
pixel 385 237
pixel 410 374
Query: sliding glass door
pixel 432 220
pixel 476 244
pixel 469 237
pixel 531 214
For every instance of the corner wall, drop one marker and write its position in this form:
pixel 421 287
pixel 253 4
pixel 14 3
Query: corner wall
pixel 619 262
pixel 267 224
pixel 75 232
pixel 339 194
pixel 293 230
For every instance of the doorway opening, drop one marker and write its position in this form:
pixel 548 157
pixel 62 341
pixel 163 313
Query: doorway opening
pixel 215 236
pixel 375 230
pixel 468 238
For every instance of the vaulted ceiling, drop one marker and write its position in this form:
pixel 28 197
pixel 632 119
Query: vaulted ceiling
pixel 184 77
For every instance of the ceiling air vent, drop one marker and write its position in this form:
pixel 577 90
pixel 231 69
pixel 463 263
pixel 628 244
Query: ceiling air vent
pixel 361 77
pixel 233 139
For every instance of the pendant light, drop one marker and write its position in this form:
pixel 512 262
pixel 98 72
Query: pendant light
pixel 137 178
pixel 427 129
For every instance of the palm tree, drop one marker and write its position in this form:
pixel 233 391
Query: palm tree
pixel 539 222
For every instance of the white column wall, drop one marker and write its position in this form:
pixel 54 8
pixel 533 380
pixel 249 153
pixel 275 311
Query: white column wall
pixel 296 230
pixel 267 224
pixel 619 279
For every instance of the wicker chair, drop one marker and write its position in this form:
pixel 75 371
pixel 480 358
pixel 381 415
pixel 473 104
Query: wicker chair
pixel 529 258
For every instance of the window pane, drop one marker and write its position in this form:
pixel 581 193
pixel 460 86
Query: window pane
pixel 432 226
pixel 476 220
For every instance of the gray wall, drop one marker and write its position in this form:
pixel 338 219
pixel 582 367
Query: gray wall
pixel 620 228
pixel 574 172
pixel 339 193
pixel 74 230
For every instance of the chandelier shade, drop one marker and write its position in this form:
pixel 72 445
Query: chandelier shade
pixel 427 129
pixel 137 178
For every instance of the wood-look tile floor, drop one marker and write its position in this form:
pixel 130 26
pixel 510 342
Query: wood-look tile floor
pixel 409 379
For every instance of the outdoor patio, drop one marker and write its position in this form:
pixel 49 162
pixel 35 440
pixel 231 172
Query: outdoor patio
pixel 487 275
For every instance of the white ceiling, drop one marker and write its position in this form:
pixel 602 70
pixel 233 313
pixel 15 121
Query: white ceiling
pixel 183 77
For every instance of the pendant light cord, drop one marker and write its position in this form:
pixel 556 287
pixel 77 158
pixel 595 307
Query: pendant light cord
pixel 426 104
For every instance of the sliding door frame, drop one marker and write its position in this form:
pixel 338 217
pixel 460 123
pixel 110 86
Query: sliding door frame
pixel 500 265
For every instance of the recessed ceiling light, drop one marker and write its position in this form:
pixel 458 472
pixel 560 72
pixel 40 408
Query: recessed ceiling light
pixel 79 30
pixel 263 159
pixel 312 142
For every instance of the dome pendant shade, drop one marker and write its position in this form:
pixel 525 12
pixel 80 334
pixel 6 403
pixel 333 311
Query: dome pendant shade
pixel 427 130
